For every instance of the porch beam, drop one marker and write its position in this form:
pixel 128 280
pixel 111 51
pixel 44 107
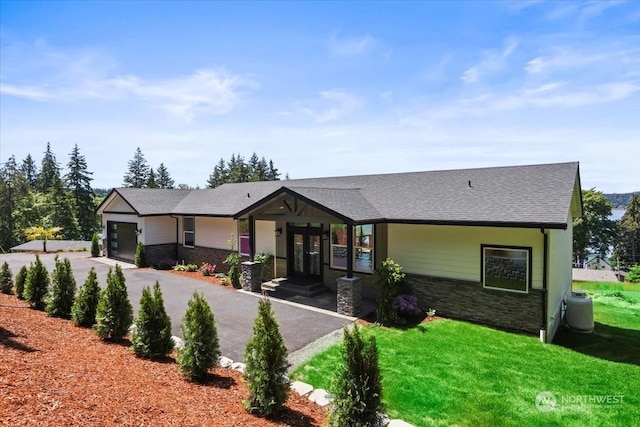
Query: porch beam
pixel 252 237
pixel 349 251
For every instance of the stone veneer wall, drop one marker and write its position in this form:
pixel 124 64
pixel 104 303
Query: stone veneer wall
pixel 200 254
pixel 467 300
pixel 153 254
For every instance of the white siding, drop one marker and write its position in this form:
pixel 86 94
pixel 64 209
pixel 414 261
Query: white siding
pixel 158 230
pixel 214 232
pixel 118 205
pixel 266 237
pixel 559 280
pixel 454 251
pixel 120 218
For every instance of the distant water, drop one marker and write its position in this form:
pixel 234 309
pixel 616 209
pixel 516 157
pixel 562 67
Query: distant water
pixel 616 214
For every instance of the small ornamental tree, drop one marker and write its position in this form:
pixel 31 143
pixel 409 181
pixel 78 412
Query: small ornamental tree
pixel 358 384
pixel 21 278
pixel 95 246
pixel 151 337
pixel 388 277
pixel 265 356
pixel 37 285
pixel 83 312
pixel 62 290
pixel 6 279
pixel 201 347
pixel 139 257
pixel 114 313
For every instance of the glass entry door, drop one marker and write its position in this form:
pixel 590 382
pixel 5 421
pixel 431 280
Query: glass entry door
pixel 305 252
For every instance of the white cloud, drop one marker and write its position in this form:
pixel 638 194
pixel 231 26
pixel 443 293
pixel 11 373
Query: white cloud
pixel 492 62
pixel 351 46
pixel 332 105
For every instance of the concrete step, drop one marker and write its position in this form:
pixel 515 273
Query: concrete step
pixel 309 289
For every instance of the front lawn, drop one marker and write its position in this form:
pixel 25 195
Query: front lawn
pixel 456 373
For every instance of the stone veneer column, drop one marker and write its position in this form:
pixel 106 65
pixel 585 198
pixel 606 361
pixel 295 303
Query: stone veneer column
pixel 251 276
pixel 349 295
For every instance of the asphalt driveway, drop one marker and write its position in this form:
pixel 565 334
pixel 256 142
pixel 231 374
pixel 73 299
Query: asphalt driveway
pixel 234 311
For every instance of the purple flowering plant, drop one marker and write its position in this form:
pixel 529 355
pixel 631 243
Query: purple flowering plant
pixel 407 305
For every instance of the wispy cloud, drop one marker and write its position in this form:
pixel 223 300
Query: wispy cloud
pixel 331 105
pixel 351 45
pixel 492 61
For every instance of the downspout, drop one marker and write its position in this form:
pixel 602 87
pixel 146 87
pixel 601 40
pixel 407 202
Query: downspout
pixel 177 235
pixel 545 250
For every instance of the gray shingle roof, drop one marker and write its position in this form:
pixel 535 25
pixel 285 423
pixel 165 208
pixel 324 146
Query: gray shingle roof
pixel 535 195
pixel 147 201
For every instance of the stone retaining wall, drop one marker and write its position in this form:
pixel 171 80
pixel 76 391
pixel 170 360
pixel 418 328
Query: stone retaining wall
pixel 468 300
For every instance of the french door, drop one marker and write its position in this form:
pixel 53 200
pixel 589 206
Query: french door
pixel 304 252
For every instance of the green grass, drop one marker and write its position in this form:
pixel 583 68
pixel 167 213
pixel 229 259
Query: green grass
pixel 455 373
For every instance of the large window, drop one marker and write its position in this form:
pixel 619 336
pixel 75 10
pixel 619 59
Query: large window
pixel 189 231
pixel 506 268
pixel 362 247
pixel 243 237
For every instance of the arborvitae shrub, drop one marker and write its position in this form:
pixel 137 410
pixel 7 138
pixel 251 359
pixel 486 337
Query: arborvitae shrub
pixel 6 279
pixel 201 347
pixel 37 285
pixel 95 246
pixel 265 372
pixel 139 257
pixel 83 312
pixel 152 335
pixel 357 386
pixel 21 278
pixel 388 277
pixel 114 313
pixel 62 290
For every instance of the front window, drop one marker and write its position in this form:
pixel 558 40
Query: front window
pixel 363 246
pixel 506 268
pixel 189 231
pixel 243 237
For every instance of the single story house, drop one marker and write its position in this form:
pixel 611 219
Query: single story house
pixel 490 245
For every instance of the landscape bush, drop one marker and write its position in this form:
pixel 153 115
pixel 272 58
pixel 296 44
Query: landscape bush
pixel 62 291
pixel 357 386
pixel 83 312
pixel 114 313
pixel 233 261
pixel 266 261
pixel 191 268
pixel 36 286
pixel 201 348
pixel 21 278
pixel 388 277
pixel 95 246
pixel 634 274
pixel 207 269
pixel 266 364
pixel 407 306
pixel 6 279
pixel 138 258
pixel 151 337
pixel 166 264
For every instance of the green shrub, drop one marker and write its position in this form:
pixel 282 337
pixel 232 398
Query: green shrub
pixel 62 290
pixel 634 274
pixel 265 356
pixel 357 386
pixel 186 267
pixel 37 285
pixel 95 246
pixel 83 312
pixel 114 313
pixel 234 276
pixel 6 279
pixel 151 337
pixel 138 259
pixel 233 261
pixel 267 266
pixel 389 278
pixel 21 278
pixel 201 348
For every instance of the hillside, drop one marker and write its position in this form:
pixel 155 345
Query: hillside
pixel 620 200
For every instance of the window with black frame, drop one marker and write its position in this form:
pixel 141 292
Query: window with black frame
pixel 506 268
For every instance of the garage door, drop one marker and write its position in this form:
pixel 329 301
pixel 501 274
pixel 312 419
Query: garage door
pixel 122 240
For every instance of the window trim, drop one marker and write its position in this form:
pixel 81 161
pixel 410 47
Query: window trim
pixel 529 262
pixel 192 232
pixel 372 248
pixel 242 236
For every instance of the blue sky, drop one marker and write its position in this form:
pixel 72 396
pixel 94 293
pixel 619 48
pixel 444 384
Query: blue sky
pixel 324 88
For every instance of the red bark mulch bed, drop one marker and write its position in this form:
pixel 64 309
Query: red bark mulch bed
pixel 197 275
pixel 53 373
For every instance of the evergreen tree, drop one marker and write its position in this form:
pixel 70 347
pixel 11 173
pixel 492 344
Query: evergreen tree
pixel 49 171
pixel 21 278
pixel 95 245
pixel 114 313
pixel 151 180
pixel 357 386
pixel 30 171
pixel 83 312
pixel 13 187
pixel 6 279
pixel 594 232
pixel 33 209
pixel 238 170
pixel 37 285
pixel 388 278
pixel 272 173
pixel 265 356
pixel 137 172
pixel 201 347
pixel 219 176
pixel 62 291
pixel 63 211
pixel 164 179
pixel 139 260
pixel 152 335
pixel 628 246
pixel 78 182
